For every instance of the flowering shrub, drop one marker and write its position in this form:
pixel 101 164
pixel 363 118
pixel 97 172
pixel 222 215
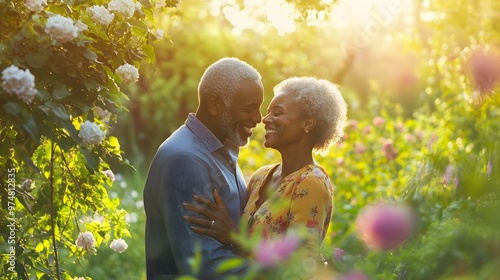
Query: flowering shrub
pixel 59 96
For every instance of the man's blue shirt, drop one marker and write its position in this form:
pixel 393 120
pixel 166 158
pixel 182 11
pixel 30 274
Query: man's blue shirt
pixel 192 161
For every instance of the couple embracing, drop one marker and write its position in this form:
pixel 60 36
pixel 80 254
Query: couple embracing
pixel 195 194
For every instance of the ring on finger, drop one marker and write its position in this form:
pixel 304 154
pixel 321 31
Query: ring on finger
pixel 212 224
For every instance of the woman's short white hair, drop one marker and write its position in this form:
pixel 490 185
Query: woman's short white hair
pixel 322 100
pixel 223 78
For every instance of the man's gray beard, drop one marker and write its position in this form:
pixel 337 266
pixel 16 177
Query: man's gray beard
pixel 233 135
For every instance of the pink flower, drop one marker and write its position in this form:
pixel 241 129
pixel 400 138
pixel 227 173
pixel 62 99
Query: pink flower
pixel 340 161
pixel 359 148
pixel 378 121
pixel 384 227
pixel 367 130
pixel 339 253
pixel 400 127
pixel 489 168
pixel 484 67
pixel 388 149
pixel 354 275
pixel 432 140
pixel 410 138
pixel 448 173
pixel 271 252
pixel 352 124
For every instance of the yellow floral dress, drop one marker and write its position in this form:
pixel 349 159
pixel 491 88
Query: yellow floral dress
pixel 303 198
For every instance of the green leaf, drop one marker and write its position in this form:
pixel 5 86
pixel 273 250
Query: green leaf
pixel 91 159
pixel 230 264
pixel 32 129
pixel 60 92
pixel 57 109
pixel 12 108
pixel 150 52
pixel 39 247
pixel 90 55
pixel 91 84
pixel 38 59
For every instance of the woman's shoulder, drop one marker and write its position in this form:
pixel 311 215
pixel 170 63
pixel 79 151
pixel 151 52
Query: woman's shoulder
pixel 315 171
pixel 265 169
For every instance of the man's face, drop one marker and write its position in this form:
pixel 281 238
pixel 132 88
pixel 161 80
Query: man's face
pixel 243 113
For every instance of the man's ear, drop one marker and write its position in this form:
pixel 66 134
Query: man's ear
pixel 215 106
pixel 309 124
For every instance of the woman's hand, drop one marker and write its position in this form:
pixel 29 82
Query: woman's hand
pixel 218 224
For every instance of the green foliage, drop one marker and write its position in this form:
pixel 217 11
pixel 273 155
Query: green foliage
pixel 59 177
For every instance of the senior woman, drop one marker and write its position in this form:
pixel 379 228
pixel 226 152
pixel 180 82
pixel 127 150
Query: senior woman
pixel 306 115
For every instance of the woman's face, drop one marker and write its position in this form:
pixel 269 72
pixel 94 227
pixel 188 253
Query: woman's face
pixel 283 123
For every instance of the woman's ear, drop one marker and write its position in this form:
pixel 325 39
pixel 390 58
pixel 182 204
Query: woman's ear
pixel 309 124
pixel 215 106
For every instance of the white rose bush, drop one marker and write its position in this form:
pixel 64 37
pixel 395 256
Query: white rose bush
pixel 65 70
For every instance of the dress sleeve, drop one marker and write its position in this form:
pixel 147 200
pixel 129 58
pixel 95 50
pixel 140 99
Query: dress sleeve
pixel 311 207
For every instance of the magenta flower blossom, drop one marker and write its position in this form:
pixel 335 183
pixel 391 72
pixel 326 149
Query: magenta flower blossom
pixel 384 227
pixel 271 252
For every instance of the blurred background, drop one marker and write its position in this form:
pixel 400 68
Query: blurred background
pixel 420 78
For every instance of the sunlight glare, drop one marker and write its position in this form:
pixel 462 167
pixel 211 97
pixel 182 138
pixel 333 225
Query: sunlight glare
pixel 282 15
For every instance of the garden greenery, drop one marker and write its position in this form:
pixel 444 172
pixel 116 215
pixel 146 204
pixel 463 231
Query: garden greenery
pixel 65 67
pixel 424 140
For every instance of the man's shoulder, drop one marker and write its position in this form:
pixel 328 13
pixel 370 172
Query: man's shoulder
pixel 182 143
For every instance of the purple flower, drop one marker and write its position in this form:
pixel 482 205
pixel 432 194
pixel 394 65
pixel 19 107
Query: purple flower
pixel 354 275
pixel 271 252
pixel 489 167
pixel 338 253
pixel 448 173
pixel 384 227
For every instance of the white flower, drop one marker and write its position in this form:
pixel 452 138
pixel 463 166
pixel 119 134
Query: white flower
pixel 81 26
pixel 138 8
pixel 86 240
pixel 100 15
pixel 110 174
pixel 35 5
pixel 19 82
pixel 118 245
pixel 103 114
pixel 128 73
pixel 28 185
pixel 61 29
pixel 91 133
pixel 159 34
pixel 125 8
pixel 160 4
